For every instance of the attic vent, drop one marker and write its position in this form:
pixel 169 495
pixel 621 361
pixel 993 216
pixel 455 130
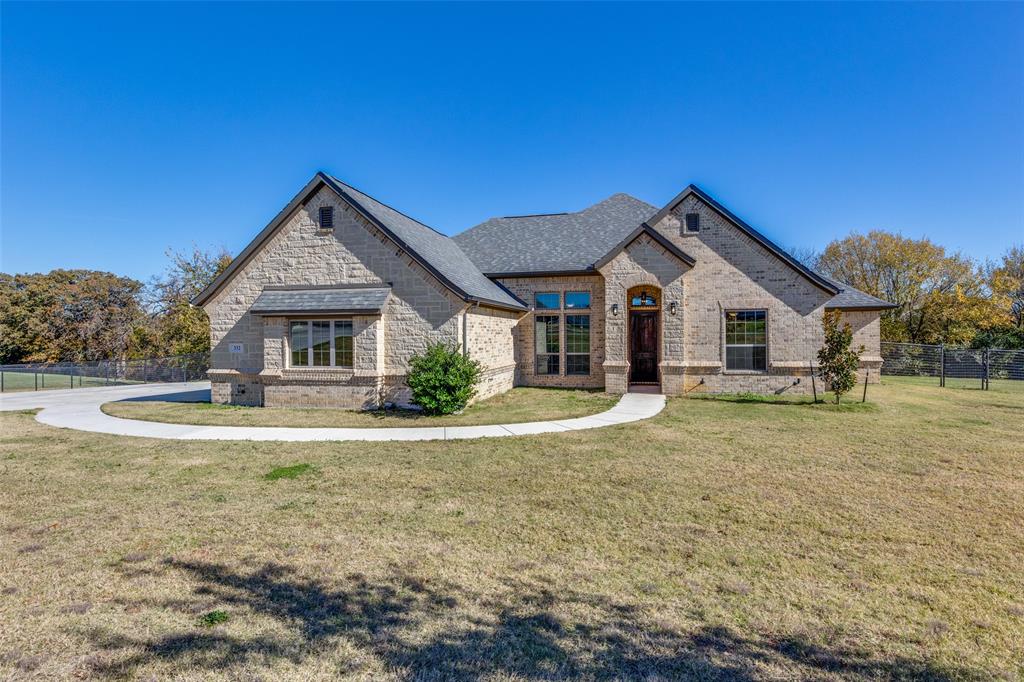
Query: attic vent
pixel 693 222
pixel 326 217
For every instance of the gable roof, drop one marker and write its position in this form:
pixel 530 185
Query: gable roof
pixel 645 229
pixel 437 253
pixel 553 243
pixel 815 278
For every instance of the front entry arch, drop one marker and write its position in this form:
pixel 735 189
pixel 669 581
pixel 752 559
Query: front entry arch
pixel 644 334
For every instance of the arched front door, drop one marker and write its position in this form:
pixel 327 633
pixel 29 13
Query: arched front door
pixel 644 308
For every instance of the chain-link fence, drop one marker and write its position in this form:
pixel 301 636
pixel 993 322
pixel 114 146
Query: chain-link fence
pixel 39 376
pixel 949 366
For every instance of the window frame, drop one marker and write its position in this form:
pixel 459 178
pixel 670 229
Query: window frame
pixel 726 345
pixel 538 294
pixel 332 352
pixel 547 355
pixel 569 353
pixel 568 292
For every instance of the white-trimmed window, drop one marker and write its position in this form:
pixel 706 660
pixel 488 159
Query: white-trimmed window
pixel 320 343
pixel 746 340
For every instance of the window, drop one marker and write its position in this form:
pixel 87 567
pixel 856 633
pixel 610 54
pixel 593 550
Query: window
pixel 547 301
pixel 693 222
pixel 326 217
pixel 746 340
pixel 343 343
pixel 643 300
pixel 577 299
pixel 577 344
pixel 321 343
pixel 300 344
pixel 546 344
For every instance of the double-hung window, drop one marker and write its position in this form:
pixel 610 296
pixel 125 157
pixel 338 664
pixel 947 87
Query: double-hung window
pixel 546 343
pixel 746 340
pixel 577 344
pixel 320 343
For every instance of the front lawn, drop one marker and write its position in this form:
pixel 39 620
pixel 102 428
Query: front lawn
pixel 720 540
pixel 513 407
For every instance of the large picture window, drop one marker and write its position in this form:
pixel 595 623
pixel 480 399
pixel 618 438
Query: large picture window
pixel 546 344
pixel 547 300
pixel 746 340
pixel 321 343
pixel 577 344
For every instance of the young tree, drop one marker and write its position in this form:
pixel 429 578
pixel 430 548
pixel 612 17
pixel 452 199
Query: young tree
pixel 837 363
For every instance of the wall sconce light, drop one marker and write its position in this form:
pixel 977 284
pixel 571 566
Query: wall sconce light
pixel 615 308
pixel 672 307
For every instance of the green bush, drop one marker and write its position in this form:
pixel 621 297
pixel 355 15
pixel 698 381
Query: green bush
pixel 837 363
pixel 442 379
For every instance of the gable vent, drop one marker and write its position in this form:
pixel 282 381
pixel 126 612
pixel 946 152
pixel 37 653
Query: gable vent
pixel 693 222
pixel 326 217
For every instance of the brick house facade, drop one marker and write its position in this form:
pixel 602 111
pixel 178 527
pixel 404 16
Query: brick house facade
pixel 326 306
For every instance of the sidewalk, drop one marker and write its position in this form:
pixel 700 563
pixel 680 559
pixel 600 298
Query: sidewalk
pixel 80 409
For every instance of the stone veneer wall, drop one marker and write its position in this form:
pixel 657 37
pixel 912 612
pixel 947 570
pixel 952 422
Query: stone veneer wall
pixel 418 311
pixel 733 271
pixel 490 341
pixel 866 326
pixel 644 262
pixel 524 347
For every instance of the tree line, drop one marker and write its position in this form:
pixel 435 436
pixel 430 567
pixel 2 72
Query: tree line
pixel 940 297
pixel 83 315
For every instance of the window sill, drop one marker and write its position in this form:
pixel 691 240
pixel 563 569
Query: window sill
pixel 338 370
pixel 745 372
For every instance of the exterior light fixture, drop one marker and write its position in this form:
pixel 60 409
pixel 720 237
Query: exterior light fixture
pixel 672 307
pixel 615 308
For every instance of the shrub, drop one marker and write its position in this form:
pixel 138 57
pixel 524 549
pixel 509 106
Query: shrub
pixel 442 379
pixel 837 364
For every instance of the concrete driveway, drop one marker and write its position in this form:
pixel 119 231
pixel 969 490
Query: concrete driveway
pixel 80 409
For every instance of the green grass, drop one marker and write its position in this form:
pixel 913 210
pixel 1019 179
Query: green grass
pixel 516 406
pixel 723 539
pixel 213 618
pixel 21 381
pixel 293 471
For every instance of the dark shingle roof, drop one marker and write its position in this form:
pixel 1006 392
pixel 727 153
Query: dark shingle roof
pixel 338 301
pixel 439 252
pixel 560 242
pixel 849 298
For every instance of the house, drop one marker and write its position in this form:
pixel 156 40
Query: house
pixel 328 303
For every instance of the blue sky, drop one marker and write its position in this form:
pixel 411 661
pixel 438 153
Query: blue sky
pixel 131 128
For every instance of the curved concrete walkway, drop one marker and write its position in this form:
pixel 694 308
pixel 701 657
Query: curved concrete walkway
pixel 80 409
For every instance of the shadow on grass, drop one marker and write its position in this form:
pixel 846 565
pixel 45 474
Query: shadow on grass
pixel 850 403
pixel 418 629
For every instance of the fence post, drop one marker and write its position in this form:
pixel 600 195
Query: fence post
pixel 984 382
pixel 942 361
pixel 145 376
pixel 36 376
pixel 1 381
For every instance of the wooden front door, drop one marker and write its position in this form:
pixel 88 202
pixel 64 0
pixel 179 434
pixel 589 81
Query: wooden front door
pixel 643 346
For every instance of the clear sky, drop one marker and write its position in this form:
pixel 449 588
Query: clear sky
pixel 131 128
